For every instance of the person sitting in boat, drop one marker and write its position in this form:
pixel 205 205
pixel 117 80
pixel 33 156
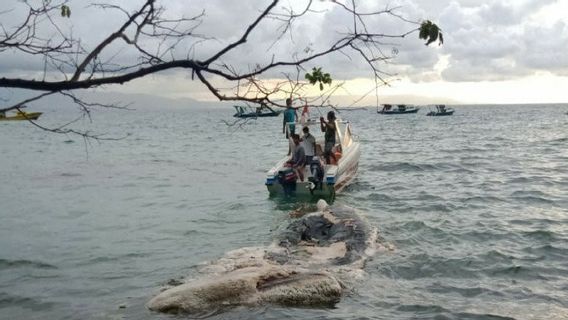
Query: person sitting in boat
pixel 330 132
pixel 298 161
pixel 2 114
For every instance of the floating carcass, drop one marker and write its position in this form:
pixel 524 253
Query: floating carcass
pixel 312 263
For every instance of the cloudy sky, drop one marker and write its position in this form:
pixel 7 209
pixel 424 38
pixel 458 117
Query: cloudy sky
pixel 495 51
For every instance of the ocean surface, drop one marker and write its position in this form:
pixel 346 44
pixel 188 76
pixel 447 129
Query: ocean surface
pixel 475 206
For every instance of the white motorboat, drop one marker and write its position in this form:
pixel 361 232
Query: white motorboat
pixel 320 180
pixel 397 109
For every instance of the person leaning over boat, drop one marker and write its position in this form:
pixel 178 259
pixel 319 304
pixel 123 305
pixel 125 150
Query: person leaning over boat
pixel 298 161
pixel 309 143
pixel 330 131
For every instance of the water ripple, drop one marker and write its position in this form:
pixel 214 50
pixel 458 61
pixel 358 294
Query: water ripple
pixel 33 304
pixel 474 205
pixel 9 264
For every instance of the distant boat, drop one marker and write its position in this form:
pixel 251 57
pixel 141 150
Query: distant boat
pixel 441 110
pixel 249 112
pixel 397 109
pixel 20 115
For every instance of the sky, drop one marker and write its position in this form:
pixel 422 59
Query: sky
pixel 495 51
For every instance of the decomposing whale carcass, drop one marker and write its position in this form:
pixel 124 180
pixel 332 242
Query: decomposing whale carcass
pixel 310 264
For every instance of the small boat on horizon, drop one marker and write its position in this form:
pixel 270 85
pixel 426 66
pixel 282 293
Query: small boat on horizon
pixel 20 115
pixel 441 110
pixel 397 109
pixel 321 180
pixel 249 112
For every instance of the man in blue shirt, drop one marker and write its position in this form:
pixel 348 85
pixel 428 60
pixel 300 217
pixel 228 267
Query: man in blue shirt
pixel 289 117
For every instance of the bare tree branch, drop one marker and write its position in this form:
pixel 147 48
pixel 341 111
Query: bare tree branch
pixel 21 104
pixel 164 43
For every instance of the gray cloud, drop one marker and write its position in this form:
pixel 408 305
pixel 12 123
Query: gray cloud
pixel 485 40
pixel 544 48
pixel 497 41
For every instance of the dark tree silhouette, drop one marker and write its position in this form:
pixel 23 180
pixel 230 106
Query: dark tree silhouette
pixel 69 64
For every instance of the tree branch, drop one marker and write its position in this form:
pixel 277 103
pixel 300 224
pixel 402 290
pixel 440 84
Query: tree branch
pixel 162 43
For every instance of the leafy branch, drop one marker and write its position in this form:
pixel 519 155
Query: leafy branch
pixel 431 32
pixel 318 76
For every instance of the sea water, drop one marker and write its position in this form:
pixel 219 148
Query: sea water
pixel 475 207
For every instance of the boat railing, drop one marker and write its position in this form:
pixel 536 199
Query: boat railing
pixel 343 135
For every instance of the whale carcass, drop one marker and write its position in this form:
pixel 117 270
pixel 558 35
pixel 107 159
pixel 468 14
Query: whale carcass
pixel 310 264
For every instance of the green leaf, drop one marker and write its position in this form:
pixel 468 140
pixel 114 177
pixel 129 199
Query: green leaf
pixel 424 29
pixel 430 32
pixel 317 76
pixel 65 11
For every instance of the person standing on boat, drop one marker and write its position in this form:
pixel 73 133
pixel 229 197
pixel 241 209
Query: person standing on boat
pixel 289 117
pixel 309 143
pixel 298 161
pixel 288 123
pixel 330 132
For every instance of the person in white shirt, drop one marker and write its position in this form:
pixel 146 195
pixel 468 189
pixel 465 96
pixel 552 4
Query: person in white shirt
pixel 309 143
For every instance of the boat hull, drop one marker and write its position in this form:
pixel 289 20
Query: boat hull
pixel 19 117
pixel 336 178
pixel 397 111
pixel 256 115
pixel 440 114
pixel 302 189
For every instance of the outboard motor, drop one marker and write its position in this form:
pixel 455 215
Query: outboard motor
pixel 287 179
pixel 316 169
